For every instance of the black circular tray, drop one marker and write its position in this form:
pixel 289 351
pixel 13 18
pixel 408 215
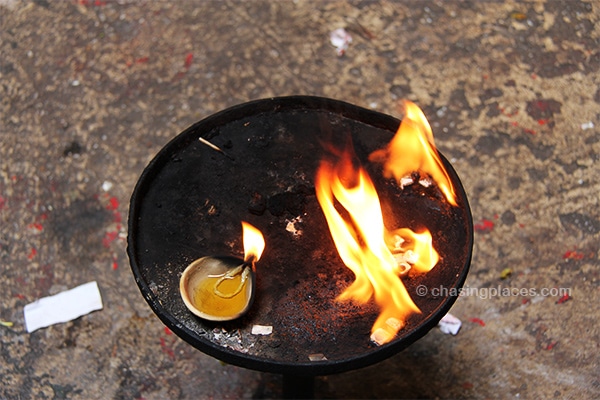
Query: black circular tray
pixel 189 203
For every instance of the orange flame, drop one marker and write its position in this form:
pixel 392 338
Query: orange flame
pixel 416 247
pixel 254 242
pixel 375 255
pixel 361 244
pixel 412 149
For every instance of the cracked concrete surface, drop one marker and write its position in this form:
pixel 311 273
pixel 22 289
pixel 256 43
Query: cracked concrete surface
pixel 90 90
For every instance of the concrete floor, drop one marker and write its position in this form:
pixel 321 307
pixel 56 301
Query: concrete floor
pixel 90 90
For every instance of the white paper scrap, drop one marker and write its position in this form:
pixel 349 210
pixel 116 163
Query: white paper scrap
pixel 450 324
pixel 262 329
pixel 63 307
pixel 340 39
pixel 106 186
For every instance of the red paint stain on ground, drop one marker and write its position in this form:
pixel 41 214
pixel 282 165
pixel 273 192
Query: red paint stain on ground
pixel 36 226
pixel 109 237
pixel 113 203
pixel 550 346
pixel 477 321
pixel 484 226
pixel 32 253
pixel 564 299
pixel 573 254
pixel 188 60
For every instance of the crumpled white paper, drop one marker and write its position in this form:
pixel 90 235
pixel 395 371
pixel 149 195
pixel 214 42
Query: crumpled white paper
pixel 63 307
pixel 449 324
pixel 340 39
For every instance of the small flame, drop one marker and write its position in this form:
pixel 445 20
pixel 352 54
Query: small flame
pixel 254 242
pixel 360 239
pixel 417 247
pixel 412 149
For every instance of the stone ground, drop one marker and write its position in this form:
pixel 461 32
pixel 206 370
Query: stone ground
pixel 92 89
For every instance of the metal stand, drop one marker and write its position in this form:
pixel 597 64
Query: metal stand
pixel 298 387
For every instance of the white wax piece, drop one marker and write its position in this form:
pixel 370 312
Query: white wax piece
pixel 380 336
pixel 317 357
pixel 63 307
pixel 262 329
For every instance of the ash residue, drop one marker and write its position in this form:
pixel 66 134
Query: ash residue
pixel 310 314
pixel 233 339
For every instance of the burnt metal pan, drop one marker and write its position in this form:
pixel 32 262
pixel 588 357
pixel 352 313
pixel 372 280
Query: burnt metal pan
pixel 189 203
